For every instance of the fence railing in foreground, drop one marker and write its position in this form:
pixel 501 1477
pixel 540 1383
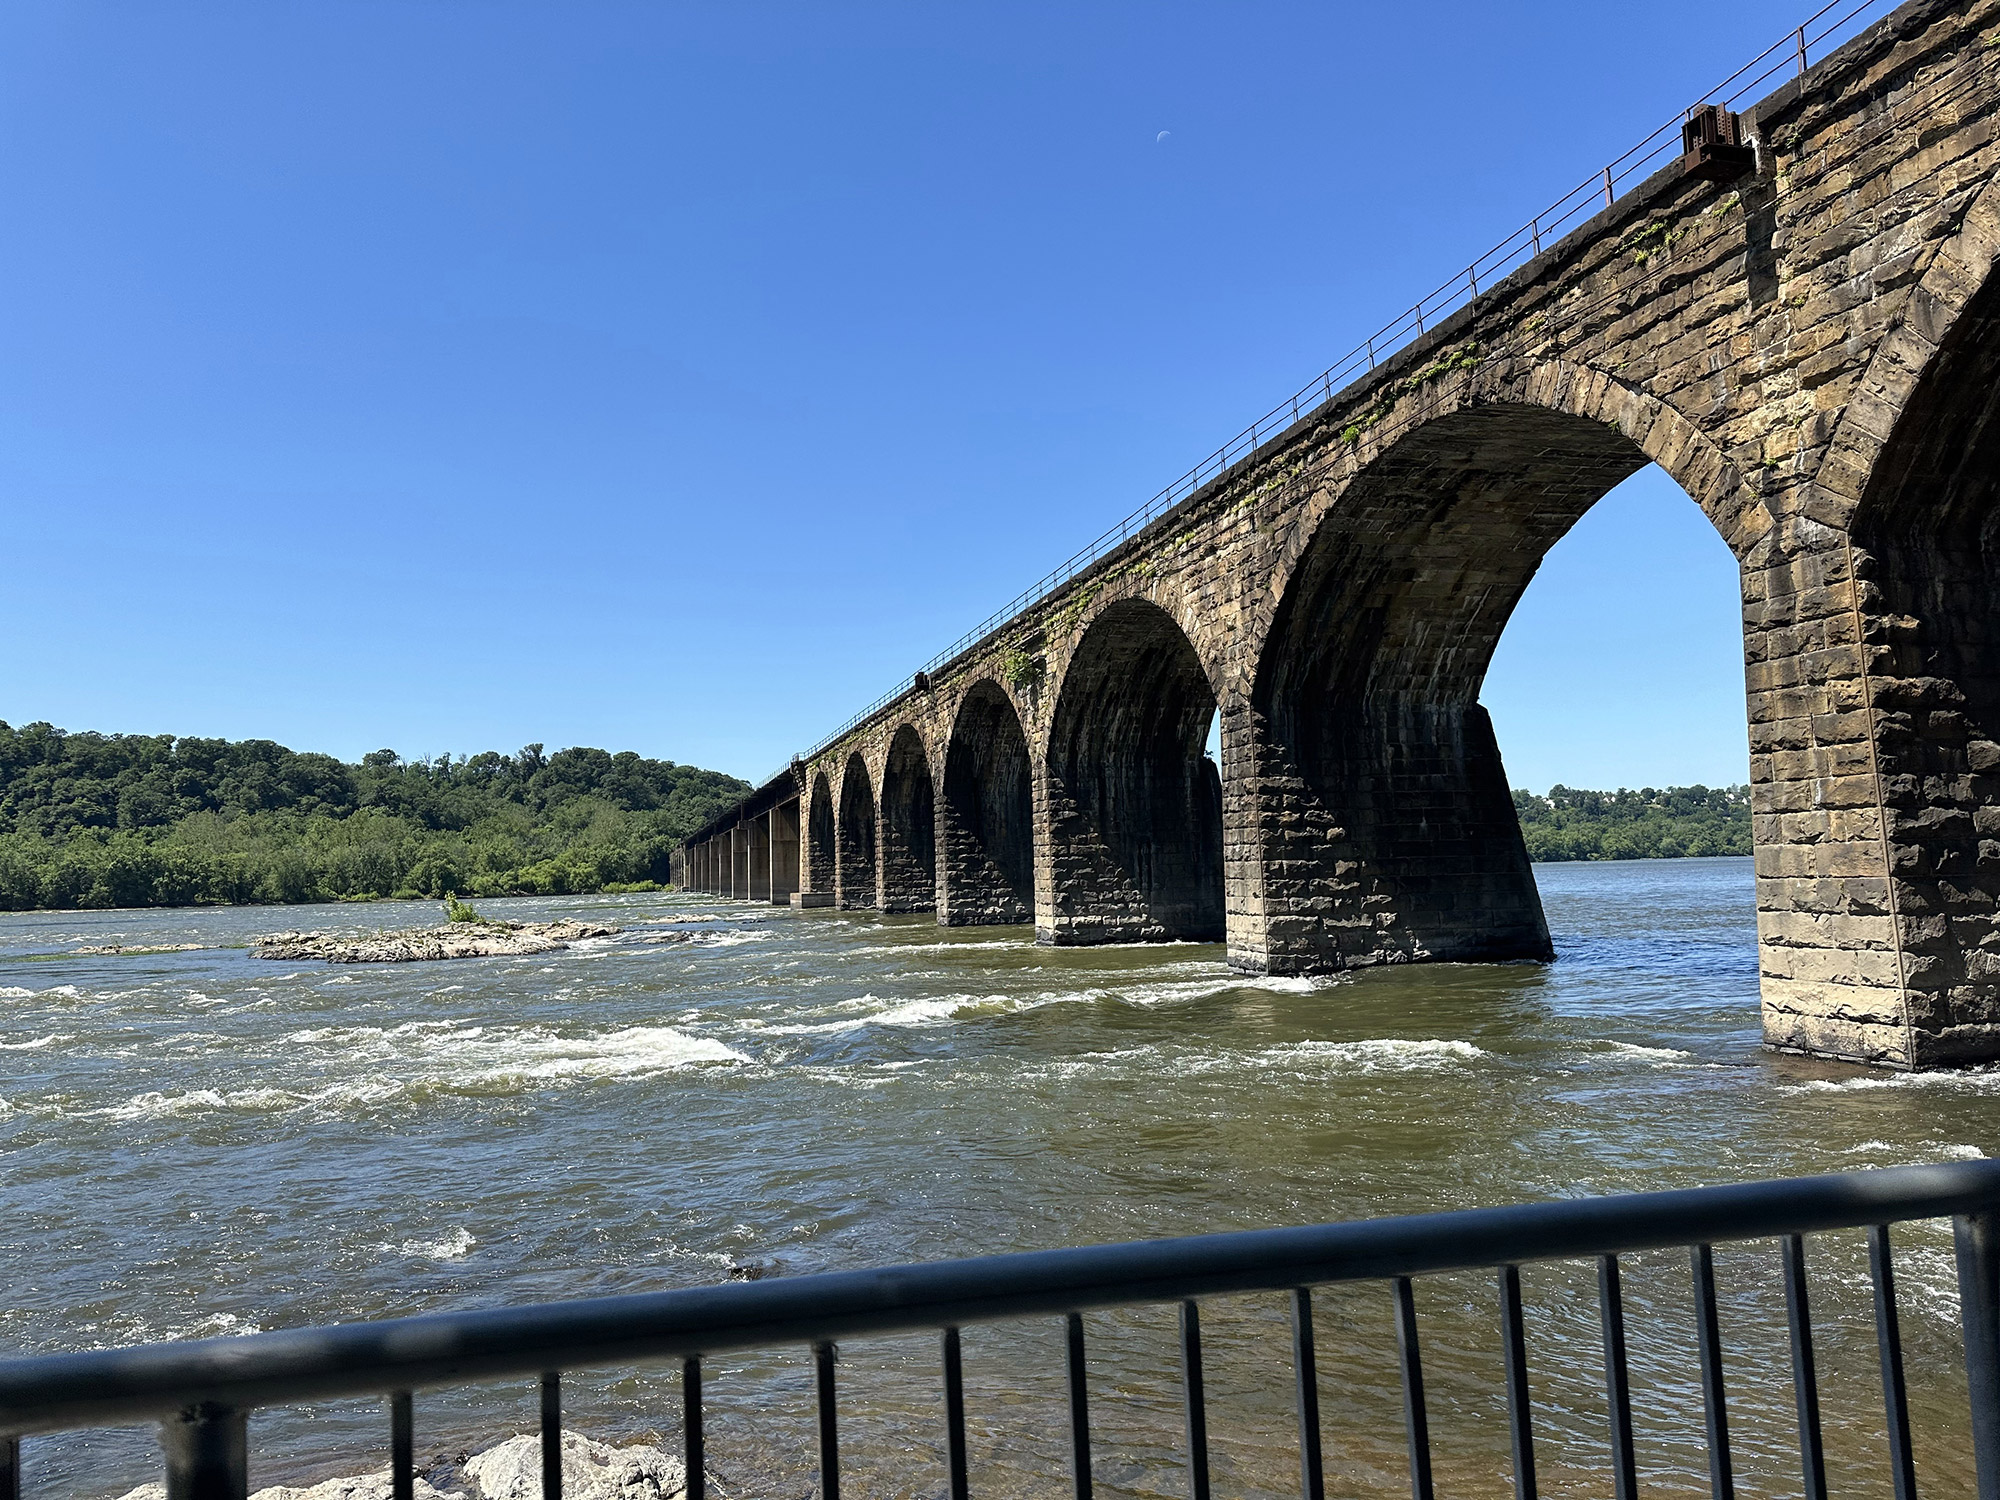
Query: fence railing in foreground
pixel 201 1392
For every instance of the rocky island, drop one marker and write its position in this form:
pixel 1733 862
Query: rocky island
pixel 459 939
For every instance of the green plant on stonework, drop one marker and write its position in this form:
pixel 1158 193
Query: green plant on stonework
pixel 1656 238
pixel 1465 357
pixel 1019 670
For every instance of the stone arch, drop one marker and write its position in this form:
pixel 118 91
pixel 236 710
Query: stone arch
pixel 1380 826
pixel 909 825
pixel 854 839
pixel 986 819
pixel 1654 429
pixel 1925 553
pixel 1906 359
pixel 1135 807
pixel 819 850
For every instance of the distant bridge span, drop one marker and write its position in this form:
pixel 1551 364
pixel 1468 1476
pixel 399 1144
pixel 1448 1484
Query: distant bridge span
pixel 1811 349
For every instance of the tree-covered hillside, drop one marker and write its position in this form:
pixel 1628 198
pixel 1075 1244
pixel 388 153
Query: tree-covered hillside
pixel 155 820
pixel 1646 824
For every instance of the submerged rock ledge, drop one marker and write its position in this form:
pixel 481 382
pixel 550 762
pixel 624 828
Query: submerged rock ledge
pixel 510 1471
pixel 414 945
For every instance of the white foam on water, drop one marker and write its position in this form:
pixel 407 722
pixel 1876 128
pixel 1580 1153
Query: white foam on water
pixel 927 1012
pixel 1966 1080
pixel 35 1045
pixel 454 1246
pixel 536 1053
pixel 1634 1049
pixel 1375 1055
pixel 156 1105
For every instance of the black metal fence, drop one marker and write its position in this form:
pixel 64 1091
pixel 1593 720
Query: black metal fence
pixel 201 1393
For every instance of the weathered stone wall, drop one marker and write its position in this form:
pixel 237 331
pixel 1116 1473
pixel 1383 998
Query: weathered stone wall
pixel 1809 352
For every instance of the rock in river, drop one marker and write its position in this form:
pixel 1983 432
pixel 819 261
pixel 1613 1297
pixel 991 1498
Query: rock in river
pixel 452 940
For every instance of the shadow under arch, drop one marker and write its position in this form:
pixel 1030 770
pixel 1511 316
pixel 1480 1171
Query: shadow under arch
pixel 909 826
pixel 986 824
pixel 854 859
pixel 1926 534
pixel 819 837
pixel 1383 825
pixel 1135 807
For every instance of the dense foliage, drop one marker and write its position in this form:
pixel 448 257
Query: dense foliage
pixel 1646 824
pixel 153 820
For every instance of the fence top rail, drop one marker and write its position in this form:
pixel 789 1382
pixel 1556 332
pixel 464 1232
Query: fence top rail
pixel 111 1386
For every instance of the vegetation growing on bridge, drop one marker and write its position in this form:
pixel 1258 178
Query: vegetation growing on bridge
pixel 154 820
pixel 1644 824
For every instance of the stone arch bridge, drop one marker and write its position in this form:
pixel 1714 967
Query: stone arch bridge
pixel 1812 351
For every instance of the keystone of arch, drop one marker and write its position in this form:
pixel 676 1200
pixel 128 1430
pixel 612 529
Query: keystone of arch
pixel 1905 356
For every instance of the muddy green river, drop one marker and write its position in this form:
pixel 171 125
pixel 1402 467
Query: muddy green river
pixel 201 1143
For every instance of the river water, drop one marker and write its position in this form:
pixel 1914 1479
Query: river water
pixel 200 1143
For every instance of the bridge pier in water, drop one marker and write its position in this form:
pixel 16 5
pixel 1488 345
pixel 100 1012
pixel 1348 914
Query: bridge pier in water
pixel 1811 352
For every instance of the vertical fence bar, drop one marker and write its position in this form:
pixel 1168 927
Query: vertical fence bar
pixel 1978 1240
pixel 552 1437
pixel 829 1424
pixel 694 1446
pixel 1536 230
pixel 1617 1380
pixel 1196 1401
pixel 1805 1376
pixel 10 1468
pixel 1079 1408
pixel 1419 311
pixel 1715 1410
pixel 1802 51
pixel 1305 1367
pixel 1371 353
pixel 1609 197
pixel 1889 1345
pixel 954 1416
pixel 207 1449
pixel 1520 1408
pixel 1416 1419
pixel 402 1448
pixel 1472 275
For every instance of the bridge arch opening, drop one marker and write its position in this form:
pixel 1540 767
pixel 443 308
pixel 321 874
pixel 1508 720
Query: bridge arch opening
pixel 1379 805
pixel 819 837
pixel 854 867
pixel 987 827
pixel 909 826
pixel 1135 807
pixel 1926 539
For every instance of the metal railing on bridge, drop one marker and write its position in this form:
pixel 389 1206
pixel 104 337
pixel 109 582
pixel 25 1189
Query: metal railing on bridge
pixel 201 1392
pixel 1791 54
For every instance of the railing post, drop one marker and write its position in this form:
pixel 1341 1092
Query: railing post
pixel 1802 52
pixel 402 1448
pixel 1978 1240
pixel 207 1449
pixel 552 1444
pixel 1609 197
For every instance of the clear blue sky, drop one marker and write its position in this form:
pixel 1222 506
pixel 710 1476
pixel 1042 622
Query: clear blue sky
pixel 446 376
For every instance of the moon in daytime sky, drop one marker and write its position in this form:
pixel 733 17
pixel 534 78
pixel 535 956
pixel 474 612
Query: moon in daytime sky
pixel 1161 136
